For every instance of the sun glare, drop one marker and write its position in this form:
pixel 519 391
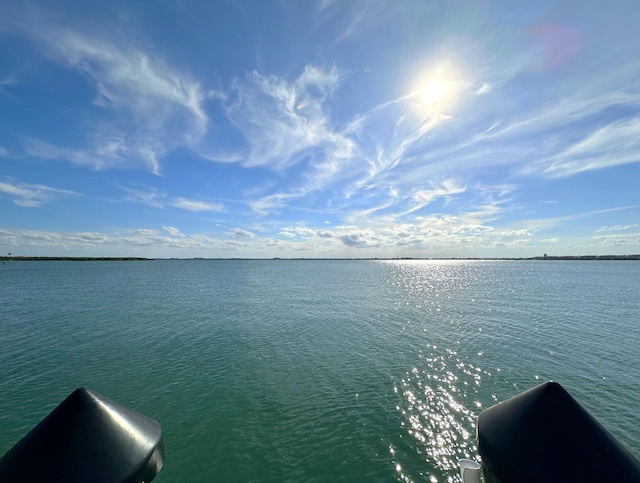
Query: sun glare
pixel 436 90
pixel 433 91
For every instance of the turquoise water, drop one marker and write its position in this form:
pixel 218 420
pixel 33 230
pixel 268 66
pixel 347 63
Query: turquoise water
pixel 318 370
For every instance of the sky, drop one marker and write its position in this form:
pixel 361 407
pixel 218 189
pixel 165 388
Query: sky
pixel 328 128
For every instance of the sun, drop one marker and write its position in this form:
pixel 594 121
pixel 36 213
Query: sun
pixel 433 91
pixel 437 89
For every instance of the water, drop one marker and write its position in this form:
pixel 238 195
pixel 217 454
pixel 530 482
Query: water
pixel 318 370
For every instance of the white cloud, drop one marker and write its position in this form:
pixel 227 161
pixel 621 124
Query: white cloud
pixel 150 197
pixel 422 197
pixel 298 231
pixel 196 205
pixel 485 88
pixel 345 20
pixel 619 239
pixel 97 158
pixel 273 202
pixel 32 195
pixel 580 131
pixel 360 238
pixel 618 228
pixel 443 235
pixel 559 139
pixel 130 79
pixel 156 199
pixel 615 144
pixel 172 231
pixel 148 106
pixel 141 242
pixel 284 122
pixel 240 233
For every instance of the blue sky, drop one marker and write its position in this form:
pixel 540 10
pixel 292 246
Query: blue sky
pixel 329 128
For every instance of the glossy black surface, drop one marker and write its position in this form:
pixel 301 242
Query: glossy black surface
pixel 545 435
pixel 86 438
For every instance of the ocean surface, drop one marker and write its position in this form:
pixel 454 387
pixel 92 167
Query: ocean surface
pixel 318 371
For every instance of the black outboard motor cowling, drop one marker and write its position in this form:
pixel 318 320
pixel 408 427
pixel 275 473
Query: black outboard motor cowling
pixel 543 435
pixel 87 438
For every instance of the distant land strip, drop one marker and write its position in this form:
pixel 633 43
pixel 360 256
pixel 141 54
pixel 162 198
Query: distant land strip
pixel 73 259
pixel 134 259
pixel 588 257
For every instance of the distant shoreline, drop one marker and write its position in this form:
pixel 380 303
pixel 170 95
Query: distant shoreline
pixel 73 259
pixel 136 259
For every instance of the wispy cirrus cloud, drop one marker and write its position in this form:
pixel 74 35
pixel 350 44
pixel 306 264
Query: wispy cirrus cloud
pixel 584 235
pixel 612 145
pixel 587 130
pixel 284 123
pixel 286 126
pixel 32 195
pixel 274 202
pixel 423 197
pixel 346 20
pixel 109 152
pixel 196 205
pixel 157 199
pixel 149 197
pixel 404 200
pixel 146 106
pixel 9 80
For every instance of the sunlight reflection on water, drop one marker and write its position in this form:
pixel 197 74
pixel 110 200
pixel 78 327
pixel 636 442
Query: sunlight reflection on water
pixel 434 403
pixel 437 396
